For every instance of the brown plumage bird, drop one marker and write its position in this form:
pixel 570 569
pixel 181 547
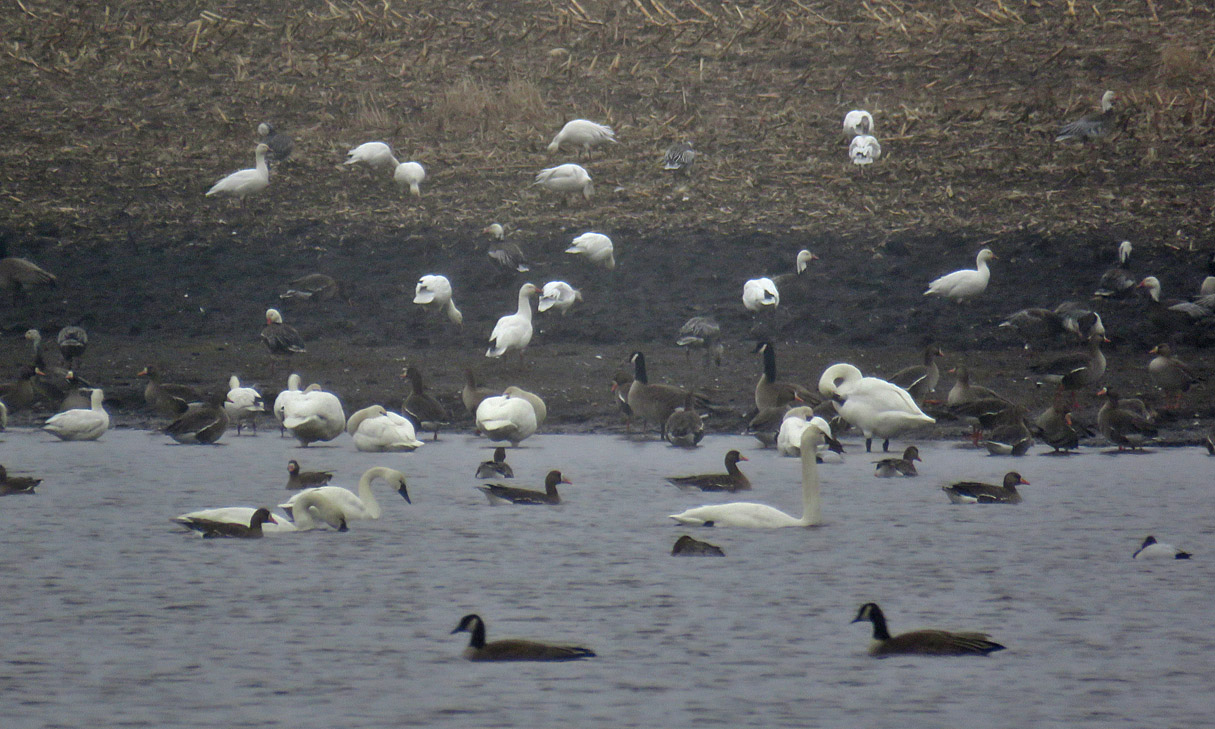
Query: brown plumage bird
pixel 653 403
pixel 168 399
pixel 922 642
pixel 297 479
pixel 974 492
pixel 732 480
pixel 497 467
pixel 421 406
pixel 514 650
pixel 16 485
pixel 905 466
pixel 770 392
pixel 472 394
pixel 1124 423
pixel 1171 374
pixel 19 275
pixel 21 394
pixel 515 495
pixel 312 287
pixel 920 380
pixel 281 338
pixel 203 423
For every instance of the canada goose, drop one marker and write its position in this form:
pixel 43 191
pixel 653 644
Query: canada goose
pixel 497 467
pixel 167 399
pixel 702 332
pixel 513 332
pixel 1117 281
pixel 253 530
pixel 732 480
pixel 497 492
pixel 559 296
pixel 685 428
pixel 1075 371
pixel 203 423
pixel 680 157
pixel 19 275
pixel 687 546
pixel 472 394
pixel 769 392
pixel 243 183
pixel 1152 549
pixel 72 341
pixel 973 492
pixel 920 380
pixel 597 248
pixel 922 642
pixel 281 338
pixel 877 407
pixel 905 466
pixel 16 485
pixel 583 133
pixel 376 155
pixel 864 149
pixel 281 145
pixel 514 649
pixel 243 404
pixel 297 479
pixel 312 287
pixel 81 424
pixel 857 122
pixel 428 412
pixel 433 293
pixel 1090 126
pixel 653 403
pixel 1171 374
pixel 502 417
pixel 375 430
pixel 1123 426
pixel 411 175
pixel 961 286
pixel 566 179
pixel 314 415
pixel 362 505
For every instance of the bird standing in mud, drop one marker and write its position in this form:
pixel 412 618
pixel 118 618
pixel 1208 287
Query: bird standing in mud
pixel 281 338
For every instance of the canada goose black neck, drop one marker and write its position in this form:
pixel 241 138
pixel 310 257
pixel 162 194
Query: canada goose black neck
pixel 769 361
pixel 474 625
pixel 871 612
pixel 639 368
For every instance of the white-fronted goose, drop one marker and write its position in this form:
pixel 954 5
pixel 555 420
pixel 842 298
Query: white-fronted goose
pixel 760 294
pixel 1009 439
pixel 857 122
pixel 81 424
pixel 975 492
pixel 961 286
pixel 243 183
pixel 582 133
pixel 297 479
pixel 1117 281
pixel 168 399
pixel 312 287
pixel 1125 427
pixel 684 427
pixel 497 467
pixel 770 392
pixel 281 145
pixel 375 430
pixel 1075 371
pixel 420 405
pixel 864 149
pixel 16 485
pixel 472 394
pixel 963 392
pixel 1171 374
pixel 376 155
pixel 1152 549
pixel 514 649
pixel 314 415
pixel 702 332
pixel 922 642
pixel 513 332
pixel 203 423
pixel 988 414
pixel 243 404
pixel 679 157
pixel 559 296
pixel 687 546
pixel 653 403
pixel 21 394
pixel 905 466
pixel 1056 427
pixel 597 248
pixel 412 175
pixel 566 179
pixel 1090 126
pixel 281 338
pixel 879 408
pixel 732 480
pixel 529 497
pixel 72 341
pixel 19 275
pixel 502 417
pixel 362 505
pixel 920 380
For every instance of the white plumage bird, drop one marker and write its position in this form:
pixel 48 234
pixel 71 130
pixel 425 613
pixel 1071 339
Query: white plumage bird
pixel 81 424
pixel 375 430
pixel 558 295
pixel 243 183
pixel 376 155
pixel 514 331
pixel 857 122
pixel 966 284
pixel 566 179
pixel 864 150
pixel 597 248
pixel 434 293
pixel 583 133
pixel 879 408
pixel 503 417
pixel 243 403
pixel 411 174
pixel 760 294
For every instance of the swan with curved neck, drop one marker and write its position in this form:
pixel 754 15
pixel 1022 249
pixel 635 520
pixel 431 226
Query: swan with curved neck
pixel 762 516
pixel 880 409
pixel 352 506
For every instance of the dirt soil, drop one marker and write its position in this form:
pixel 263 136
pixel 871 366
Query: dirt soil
pixel 119 116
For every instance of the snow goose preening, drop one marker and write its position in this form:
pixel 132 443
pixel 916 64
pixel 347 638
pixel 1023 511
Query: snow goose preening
pixel 1171 374
pixel 582 133
pixel 922 642
pixel 597 248
pixel 314 415
pixel 281 145
pixel 1152 549
pixel 857 122
pixel 1117 281
pixel 243 183
pixel 864 150
pixel 433 293
pixel 747 514
pixel 376 155
pixel 297 479
pixel 502 417
pixel 905 466
pixel 234 518
pixel 732 480
pixel 566 179
pixel 353 507
pixel 1090 126
pixel 497 467
pixel 878 408
pixel 679 157
pixel 422 407
pixel 281 338
pixel 760 294
pixel 203 423
pixel 559 296
pixel 243 404
pixel 497 492
pixel 514 649
pixel 285 396
pixel 974 492
pixel 794 424
pixel 513 332
pixel 88 424
pixel 411 174
pixel 375 430
pixel 966 284
pixel 72 341
pixel 16 485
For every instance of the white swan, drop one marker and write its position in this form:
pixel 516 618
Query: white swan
pixel 314 415
pixel 759 294
pixel 864 149
pixel 81 424
pixel 581 132
pixel 748 514
pixel 362 505
pixel 278 523
pixel 857 122
pixel 597 248
pixel 375 430
pixel 560 296
pixel 966 284
pixel 434 293
pixel 503 417
pixel 243 404
pixel 376 155
pixel 285 396
pixel 243 183
pixel 880 409
pixel 567 178
pixel 536 401
pixel 514 331
pixel 794 424
pixel 411 174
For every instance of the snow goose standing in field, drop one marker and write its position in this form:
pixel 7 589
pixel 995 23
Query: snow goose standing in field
pixel 411 174
pixel 376 155
pixel 352 506
pixel 433 293
pixel 503 417
pixel 922 642
pixel 88 424
pixel 857 122
pixel 280 144
pixel 966 284
pixel 1090 126
pixel 243 183
pixel 679 157
pixel 597 248
pixel 375 430
pixel 513 331
pixel 559 296
pixel 760 294
pixel 581 132
pixel 1152 549
pixel 566 179
pixel 243 404
pixel 314 415
pixel 864 150
pixel 747 514
pixel 281 338
pixel 209 519
pixel 878 408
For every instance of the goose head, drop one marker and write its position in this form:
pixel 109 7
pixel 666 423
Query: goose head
pixel 803 259
pixel 273 317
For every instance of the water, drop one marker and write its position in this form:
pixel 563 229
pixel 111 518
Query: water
pixel 114 616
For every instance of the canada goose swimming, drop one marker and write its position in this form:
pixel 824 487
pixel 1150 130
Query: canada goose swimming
pixel 566 179
pixel 16 485
pixel 961 286
pixel 513 332
pixel 597 248
pixel 497 467
pixel 1171 374
pixel 243 183
pixel 312 287
pixel 558 296
pixel 702 332
pixel 421 405
pixel 684 427
pixel 864 149
pixel 769 392
pixel 514 649
pixel 905 466
pixel 352 506
pixel 376 155
pixel 879 408
pixel 19 274
pixel 314 415
pixel 411 175
pixel 760 294
pixel 679 157
pixel 1125 427
pixel 1075 371
pixel 857 122
pixel 375 430
pixel 202 424
pixel 973 492
pixel 732 480
pixel 922 642
pixel 653 403
pixel 1152 549
pixel 72 341
pixel 243 404
pixel 281 145
pixel 472 394
pixel 687 546
pixel 1090 126
pixel 752 515
pixel 281 338
pixel 433 293
pixel 549 496
pixel 297 479
pixel 502 417
pixel 168 399
pixel 582 133
pixel 81 424
pixel 1117 281
pixel 920 380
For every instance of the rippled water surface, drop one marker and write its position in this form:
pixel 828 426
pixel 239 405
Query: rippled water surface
pixel 113 616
